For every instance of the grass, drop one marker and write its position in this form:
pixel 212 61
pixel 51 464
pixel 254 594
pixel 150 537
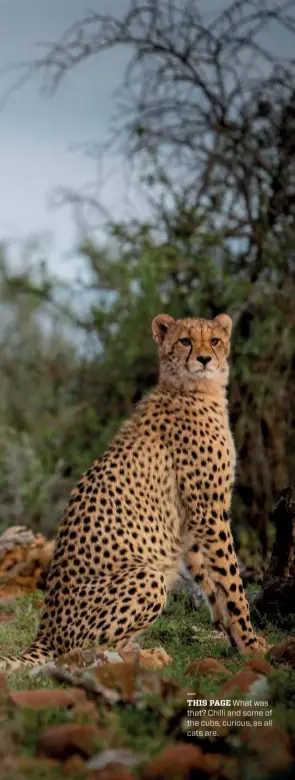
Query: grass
pixel 185 634
pixel 17 633
pixel 188 635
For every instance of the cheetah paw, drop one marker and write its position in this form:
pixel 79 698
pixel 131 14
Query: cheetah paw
pixel 259 647
pixel 156 657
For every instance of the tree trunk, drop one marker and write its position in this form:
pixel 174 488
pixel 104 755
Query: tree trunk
pixel 277 596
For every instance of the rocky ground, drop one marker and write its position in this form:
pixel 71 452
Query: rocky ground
pixel 105 716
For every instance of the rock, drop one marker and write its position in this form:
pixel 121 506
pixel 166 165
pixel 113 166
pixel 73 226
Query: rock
pixel 241 682
pixel 62 742
pixel 51 697
pixel 207 667
pixel 284 652
pixel 261 666
pixel 182 760
pixel 272 746
pixel 218 766
pixel 178 761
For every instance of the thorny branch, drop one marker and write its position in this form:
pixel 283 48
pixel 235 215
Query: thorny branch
pixel 211 102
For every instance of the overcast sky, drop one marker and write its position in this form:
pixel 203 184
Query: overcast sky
pixel 38 135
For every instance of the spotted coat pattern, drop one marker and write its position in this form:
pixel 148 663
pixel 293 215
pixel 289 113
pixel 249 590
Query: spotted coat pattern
pixel 159 497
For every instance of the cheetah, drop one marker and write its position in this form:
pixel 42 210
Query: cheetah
pixel 156 501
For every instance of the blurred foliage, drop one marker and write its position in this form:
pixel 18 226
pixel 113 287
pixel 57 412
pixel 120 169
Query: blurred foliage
pixel 60 406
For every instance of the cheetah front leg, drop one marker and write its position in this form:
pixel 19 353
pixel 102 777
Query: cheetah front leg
pixel 212 562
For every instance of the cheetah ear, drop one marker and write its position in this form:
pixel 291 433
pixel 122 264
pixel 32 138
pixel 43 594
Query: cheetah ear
pixel 225 322
pixel 160 325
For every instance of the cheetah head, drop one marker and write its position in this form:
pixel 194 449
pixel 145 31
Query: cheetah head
pixel 193 350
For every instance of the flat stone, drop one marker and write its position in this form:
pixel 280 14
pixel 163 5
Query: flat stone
pixel 208 667
pixel 63 741
pixel 241 681
pixel 51 697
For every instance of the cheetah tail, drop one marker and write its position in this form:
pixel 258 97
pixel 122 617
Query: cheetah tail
pixel 34 656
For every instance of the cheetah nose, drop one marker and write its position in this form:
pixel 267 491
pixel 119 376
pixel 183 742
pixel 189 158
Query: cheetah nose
pixel 204 359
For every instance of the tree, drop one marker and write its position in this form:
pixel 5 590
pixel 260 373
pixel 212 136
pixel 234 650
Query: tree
pixel 205 109
pixel 206 113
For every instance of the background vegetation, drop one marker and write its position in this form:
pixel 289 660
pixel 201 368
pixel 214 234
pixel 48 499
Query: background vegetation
pixel 206 118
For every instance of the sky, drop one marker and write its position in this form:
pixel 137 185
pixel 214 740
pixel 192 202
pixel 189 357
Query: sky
pixel 41 137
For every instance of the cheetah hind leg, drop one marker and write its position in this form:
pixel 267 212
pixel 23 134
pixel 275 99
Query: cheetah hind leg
pixel 120 608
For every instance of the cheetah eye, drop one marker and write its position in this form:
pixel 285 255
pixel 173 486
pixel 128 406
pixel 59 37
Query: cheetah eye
pixel 214 342
pixel 186 342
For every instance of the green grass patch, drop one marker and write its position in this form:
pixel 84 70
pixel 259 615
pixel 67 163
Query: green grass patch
pixel 17 633
pixel 186 634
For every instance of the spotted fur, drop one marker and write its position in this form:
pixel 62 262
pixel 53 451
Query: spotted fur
pixel 158 499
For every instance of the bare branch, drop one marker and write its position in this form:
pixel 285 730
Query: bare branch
pixel 202 101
